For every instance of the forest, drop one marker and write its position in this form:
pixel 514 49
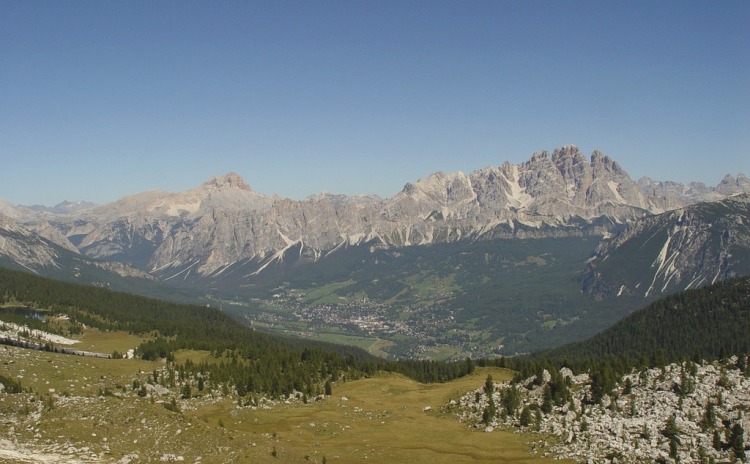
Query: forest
pixel 708 323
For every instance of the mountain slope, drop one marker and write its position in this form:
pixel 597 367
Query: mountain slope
pixel 22 249
pixel 710 321
pixel 686 248
pixel 200 232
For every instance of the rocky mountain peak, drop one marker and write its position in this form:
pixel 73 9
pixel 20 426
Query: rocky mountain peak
pixel 730 185
pixel 224 222
pixel 568 152
pixel 604 162
pixel 230 180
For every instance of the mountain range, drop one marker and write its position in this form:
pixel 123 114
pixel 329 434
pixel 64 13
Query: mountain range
pixel 203 231
pixel 631 239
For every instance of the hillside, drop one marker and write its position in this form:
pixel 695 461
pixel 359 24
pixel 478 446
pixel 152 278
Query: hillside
pixel 668 383
pixel 41 253
pixel 686 248
pixel 247 359
pixel 712 321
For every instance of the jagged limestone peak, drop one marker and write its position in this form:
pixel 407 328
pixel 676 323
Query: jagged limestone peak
pixel 230 180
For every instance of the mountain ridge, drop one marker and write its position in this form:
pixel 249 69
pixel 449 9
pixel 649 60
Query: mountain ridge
pixel 676 250
pixel 224 221
pixel 224 242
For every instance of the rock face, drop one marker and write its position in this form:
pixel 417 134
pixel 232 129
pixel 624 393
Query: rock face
pixel 19 245
pixel 631 424
pixel 203 231
pixel 48 249
pixel 685 248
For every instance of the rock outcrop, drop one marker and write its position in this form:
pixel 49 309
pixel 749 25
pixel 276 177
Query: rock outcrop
pixel 688 404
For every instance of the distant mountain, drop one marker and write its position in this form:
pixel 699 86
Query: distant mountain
pixel 199 233
pixel 66 207
pixel 22 249
pixel 685 248
pixel 485 262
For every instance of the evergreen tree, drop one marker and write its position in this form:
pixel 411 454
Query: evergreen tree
pixel 489 386
pixel 737 441
pixel 628 389
pixel 547 400
pixel 511 399
pixel 488 415
pixel 469 366
pixel 717 443
pixel 671 430
pixel 709 417
pixel 602 383
pixel 537 419
pixel 525 419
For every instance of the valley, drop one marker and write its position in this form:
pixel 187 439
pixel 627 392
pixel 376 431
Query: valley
pixel 504 260
pixel 445 301
pixel 365 232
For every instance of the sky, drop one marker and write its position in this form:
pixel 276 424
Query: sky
pixel 99 100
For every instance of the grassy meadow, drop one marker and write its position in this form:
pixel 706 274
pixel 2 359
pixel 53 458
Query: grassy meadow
pixel 84 409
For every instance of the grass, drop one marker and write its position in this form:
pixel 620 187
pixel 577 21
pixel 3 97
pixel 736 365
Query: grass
pixel 67 374
pixel 380 347
pixel 343 339
pixel 326 293
pixel 444 352
pixel 429 286
pixel 107 342
pixel 380 419
pixel 373 345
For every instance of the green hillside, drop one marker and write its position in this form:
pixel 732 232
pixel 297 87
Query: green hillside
pixel 241 356
pixel 710 322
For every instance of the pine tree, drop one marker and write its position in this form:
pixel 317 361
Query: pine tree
pixel 547 400
pixel 628 387
pixel 737 441
pixel 488 415
pixel 186 391
pixel 709 417
pixel 671 430
pixel 525 419
pixel 717 443
pixel 511 400
pixel 489 386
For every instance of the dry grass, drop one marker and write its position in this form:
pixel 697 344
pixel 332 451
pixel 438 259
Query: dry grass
pixel 107 342
pixel 382 419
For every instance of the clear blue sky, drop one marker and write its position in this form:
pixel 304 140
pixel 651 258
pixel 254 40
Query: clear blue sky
pixel 103 99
